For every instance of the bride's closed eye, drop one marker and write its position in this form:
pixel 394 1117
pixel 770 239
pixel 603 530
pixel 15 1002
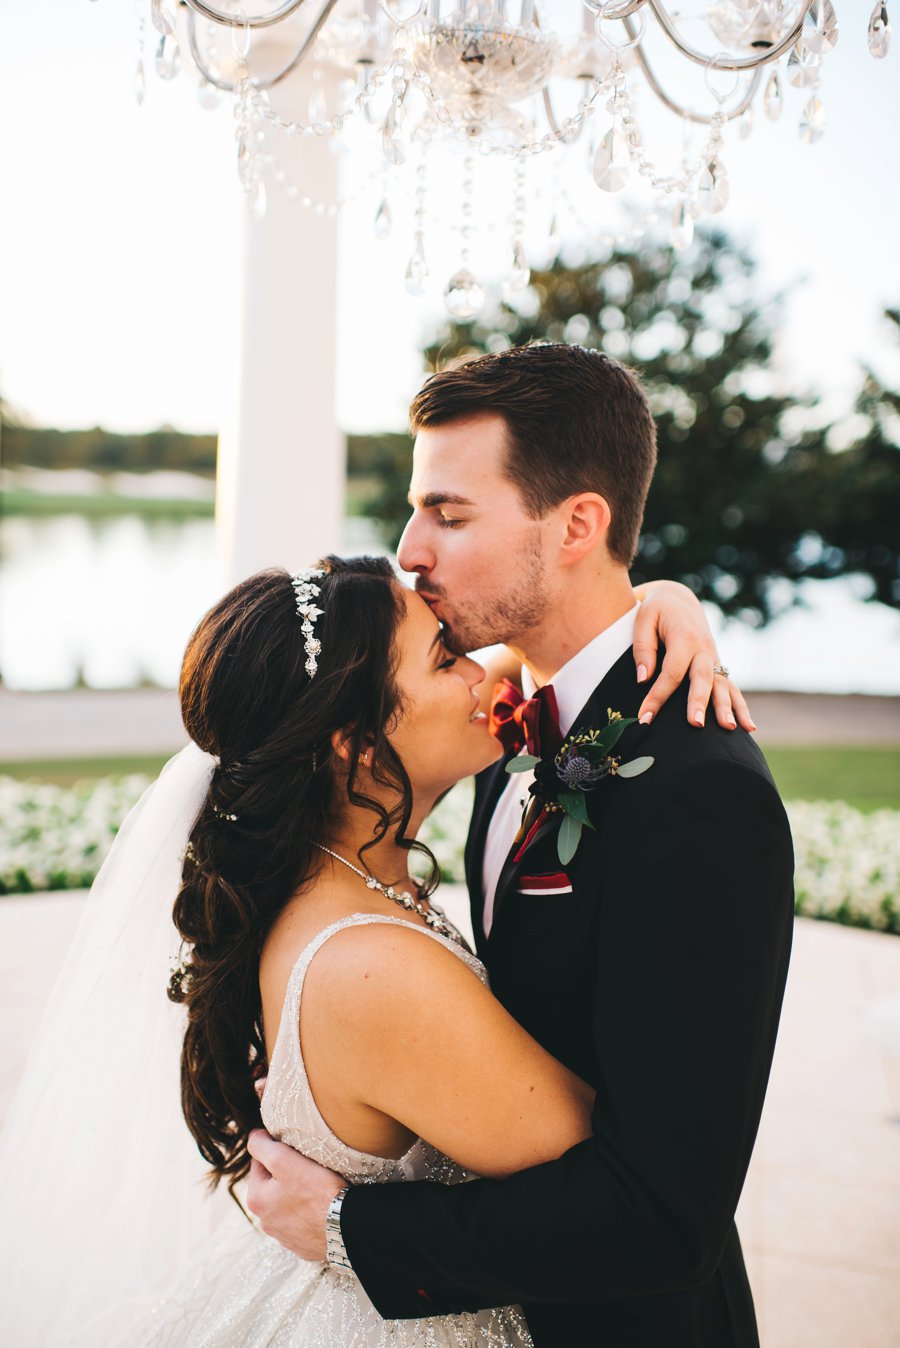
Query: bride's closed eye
pixel 448 663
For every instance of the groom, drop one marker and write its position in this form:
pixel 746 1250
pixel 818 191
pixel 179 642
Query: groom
pixel 652 963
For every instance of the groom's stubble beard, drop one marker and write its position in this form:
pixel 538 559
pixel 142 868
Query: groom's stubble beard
pixel 504 616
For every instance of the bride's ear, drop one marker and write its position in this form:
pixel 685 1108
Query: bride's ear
pixel 342 747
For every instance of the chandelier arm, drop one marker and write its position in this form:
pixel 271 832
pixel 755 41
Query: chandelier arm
pixel 701 118
pixel 719 62
pixel 624 10
pixel 238 20
pixel 229 86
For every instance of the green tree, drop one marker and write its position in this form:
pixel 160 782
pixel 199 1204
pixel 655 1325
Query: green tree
pixel 860 507
pixel 748 490
pixel 105 451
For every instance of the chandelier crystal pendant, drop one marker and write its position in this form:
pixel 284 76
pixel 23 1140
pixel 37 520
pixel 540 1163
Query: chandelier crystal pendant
pixel 509 85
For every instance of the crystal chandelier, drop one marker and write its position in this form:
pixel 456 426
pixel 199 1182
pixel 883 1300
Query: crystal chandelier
pixel 497 82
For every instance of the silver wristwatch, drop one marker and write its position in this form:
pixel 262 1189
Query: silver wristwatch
pixel 335 1251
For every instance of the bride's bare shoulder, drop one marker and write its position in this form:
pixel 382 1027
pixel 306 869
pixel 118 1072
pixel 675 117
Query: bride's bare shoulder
pixel 340 962
pixel 294 932
pixel 294 929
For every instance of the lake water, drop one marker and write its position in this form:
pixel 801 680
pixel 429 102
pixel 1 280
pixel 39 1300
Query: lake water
pixel 114 600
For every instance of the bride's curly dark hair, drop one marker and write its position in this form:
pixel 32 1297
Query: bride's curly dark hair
pixel 246 698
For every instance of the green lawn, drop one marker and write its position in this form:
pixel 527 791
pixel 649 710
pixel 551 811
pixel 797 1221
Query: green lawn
pixel 22 502
pixel 867 778
pixel 65 771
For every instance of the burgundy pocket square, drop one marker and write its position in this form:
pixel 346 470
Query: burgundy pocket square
pixel 557 882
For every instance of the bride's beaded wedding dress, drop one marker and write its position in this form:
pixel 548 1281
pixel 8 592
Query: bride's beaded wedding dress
pixel 251 1293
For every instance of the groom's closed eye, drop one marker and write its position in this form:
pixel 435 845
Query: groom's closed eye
pixel 439 501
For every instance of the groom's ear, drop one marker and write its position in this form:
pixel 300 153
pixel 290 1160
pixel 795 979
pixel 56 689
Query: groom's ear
pixel 585 520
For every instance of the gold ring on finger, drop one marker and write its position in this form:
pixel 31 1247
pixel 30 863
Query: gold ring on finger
pixel 720 669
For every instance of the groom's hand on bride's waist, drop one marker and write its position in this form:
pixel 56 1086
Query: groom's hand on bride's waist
pixel 290 1195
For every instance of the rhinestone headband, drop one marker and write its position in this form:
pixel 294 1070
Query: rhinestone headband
pixel 306 592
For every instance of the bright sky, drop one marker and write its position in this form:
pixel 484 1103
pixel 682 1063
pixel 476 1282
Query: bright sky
pixel 121 234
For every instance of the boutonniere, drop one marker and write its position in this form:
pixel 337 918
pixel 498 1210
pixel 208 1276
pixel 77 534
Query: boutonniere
pixel 583 761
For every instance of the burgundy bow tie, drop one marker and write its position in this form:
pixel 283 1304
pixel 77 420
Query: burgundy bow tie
pixel 531 722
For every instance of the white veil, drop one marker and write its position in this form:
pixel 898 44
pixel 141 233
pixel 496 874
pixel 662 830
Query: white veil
pixel 102 1192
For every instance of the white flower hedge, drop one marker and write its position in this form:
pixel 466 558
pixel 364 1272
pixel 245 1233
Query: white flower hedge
pixel 53 837
pixel 847 863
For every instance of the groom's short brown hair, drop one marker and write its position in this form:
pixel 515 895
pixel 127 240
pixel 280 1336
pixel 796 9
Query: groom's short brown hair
pixel 576 421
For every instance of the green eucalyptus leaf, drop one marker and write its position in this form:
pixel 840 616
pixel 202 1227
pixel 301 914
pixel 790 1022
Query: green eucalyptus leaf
pixel 575 805
pixel 594 753
pixel 524 763
pixel 610 735
pixel 635 767
pixel 568 840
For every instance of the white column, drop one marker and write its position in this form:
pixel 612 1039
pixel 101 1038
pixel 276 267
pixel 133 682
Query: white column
pixel 281 466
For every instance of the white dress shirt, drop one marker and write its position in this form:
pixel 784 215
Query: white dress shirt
pixel 573 685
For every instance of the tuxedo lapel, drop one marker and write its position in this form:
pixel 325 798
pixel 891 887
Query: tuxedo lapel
pixel 618 690
pixel 506 874
pixel 489 787
pixel 621 692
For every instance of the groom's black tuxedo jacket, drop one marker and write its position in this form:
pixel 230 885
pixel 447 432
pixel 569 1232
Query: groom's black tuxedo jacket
pixel 659 980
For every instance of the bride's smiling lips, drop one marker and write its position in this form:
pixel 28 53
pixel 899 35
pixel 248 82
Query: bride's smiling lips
pixel 477 716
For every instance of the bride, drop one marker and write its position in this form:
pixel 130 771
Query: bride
pixel 321 993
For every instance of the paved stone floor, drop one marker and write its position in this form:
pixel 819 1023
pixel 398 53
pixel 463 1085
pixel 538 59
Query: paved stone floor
pixel 820 1212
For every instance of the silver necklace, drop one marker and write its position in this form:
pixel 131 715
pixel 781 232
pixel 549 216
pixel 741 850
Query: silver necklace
pixel 433 916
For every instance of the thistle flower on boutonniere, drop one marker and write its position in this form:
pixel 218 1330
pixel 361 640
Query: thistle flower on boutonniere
pixel 561 783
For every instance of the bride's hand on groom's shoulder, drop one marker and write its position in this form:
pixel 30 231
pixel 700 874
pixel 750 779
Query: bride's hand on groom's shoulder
pixel 672 614
pixel 290 1195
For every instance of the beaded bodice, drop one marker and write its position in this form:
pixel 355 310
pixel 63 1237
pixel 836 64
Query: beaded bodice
pixel 289 1111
